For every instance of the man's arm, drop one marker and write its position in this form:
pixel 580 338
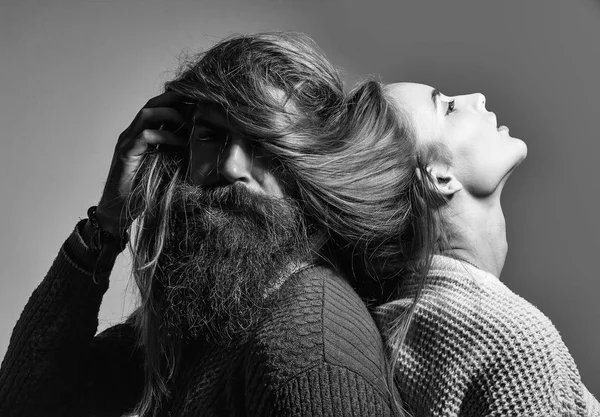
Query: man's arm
pixel 321 354
pixel 328 391
pixel 53 364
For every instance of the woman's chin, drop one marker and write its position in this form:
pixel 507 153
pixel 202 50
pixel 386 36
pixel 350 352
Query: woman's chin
pixel 523 151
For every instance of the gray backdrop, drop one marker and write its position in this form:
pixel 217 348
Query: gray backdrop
pixel 74 73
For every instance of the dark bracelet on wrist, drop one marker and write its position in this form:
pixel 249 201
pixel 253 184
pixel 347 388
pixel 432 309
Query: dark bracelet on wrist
pixel 101 238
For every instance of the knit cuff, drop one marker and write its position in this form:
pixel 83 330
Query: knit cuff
pixel 80 254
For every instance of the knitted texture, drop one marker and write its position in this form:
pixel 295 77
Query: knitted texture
pixel 478 349
pixel 318 353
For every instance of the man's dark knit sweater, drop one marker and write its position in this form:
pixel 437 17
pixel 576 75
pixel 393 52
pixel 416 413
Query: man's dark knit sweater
pixel 318 353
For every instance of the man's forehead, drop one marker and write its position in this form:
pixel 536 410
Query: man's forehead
pixel 212 115
pixel 208 112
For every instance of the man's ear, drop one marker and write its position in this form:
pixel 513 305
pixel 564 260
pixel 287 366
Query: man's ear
pixel 443 179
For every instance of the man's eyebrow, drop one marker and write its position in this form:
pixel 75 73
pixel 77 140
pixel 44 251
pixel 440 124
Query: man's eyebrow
pixel 435 93
pixel 211 124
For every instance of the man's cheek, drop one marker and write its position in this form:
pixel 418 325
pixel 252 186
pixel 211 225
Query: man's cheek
pixel 272 186
pixel 204 172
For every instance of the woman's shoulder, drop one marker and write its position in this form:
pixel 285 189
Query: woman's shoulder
pixel 459 296
pixel 470 326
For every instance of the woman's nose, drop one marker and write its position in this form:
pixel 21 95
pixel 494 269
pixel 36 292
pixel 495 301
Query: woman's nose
pixel 479 100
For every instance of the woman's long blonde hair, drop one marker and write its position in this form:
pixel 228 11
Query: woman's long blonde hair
pixel 406 229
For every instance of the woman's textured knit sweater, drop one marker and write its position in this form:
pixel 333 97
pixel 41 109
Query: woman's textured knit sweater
pixel 478 349
pixel 318 353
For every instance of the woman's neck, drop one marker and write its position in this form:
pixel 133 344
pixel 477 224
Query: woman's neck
pixel 476 231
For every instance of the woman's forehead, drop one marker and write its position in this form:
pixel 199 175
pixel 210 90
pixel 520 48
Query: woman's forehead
pixel 417 102
pixel 411 96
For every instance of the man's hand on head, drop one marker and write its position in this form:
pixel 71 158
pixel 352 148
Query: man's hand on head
pixel 159 122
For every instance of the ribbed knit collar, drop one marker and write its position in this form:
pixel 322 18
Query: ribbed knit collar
pixel 458 266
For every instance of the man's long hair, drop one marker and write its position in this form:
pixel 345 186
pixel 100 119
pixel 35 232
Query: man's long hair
pixel 284 94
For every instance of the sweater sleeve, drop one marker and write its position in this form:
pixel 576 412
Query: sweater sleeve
pixel 320 354
pixel 592 406
pixel 54 365
pixel 475 348
pixel 330 390
pixel 521 365
pixel 525 367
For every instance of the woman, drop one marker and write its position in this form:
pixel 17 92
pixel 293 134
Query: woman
pixel 461 343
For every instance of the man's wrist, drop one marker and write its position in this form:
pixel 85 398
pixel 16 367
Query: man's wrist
pixel 106 222
pixel 86 232
pixel 100 236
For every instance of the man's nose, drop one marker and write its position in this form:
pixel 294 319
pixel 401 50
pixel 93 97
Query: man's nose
pixel 235 160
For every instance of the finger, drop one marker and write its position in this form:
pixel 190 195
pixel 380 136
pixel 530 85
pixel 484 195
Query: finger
pixel 155 137
pixel 168 99
pixel 153 118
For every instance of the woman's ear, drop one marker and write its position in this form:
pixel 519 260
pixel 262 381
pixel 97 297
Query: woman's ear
pixel 442 178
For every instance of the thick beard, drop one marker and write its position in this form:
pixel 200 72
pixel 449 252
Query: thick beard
pixel 226 254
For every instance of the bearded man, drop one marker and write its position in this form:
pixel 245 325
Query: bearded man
pixel 242 312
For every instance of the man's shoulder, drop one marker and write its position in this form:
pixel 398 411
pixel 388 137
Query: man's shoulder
pixel 320 323
pixel 321 303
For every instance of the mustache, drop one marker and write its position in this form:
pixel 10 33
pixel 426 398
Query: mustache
pixel 235 199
